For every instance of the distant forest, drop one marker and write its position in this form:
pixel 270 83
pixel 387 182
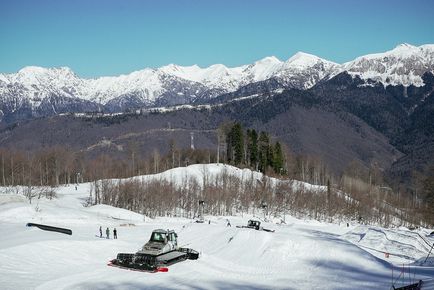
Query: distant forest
pixel 359 192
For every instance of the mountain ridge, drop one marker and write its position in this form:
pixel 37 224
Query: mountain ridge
pixel 23 94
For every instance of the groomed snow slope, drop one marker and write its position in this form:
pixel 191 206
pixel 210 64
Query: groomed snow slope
pixel 299 255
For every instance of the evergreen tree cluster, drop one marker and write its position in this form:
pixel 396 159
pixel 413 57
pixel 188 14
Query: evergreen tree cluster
pixel 257 151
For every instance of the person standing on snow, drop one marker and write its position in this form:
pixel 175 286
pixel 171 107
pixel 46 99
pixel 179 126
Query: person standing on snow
pixel 107 232
pixel 100 231
pixel 115 234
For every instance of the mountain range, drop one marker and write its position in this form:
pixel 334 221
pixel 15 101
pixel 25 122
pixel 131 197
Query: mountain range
pixel 36 91
pixel 377 109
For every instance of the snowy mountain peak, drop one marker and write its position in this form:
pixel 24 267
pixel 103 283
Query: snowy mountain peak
pixel 34 75
pixel 404 50
pixel 305 60
pixel 171 68
pixel 404 46
pixel 32 70
pixel 40 81
pixel 37 70
pixel 302 55
pixel 269 60
pixel 405 64
pixel 217 66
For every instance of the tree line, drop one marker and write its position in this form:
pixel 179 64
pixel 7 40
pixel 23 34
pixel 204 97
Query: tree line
pixel 227 194
pixel 245 148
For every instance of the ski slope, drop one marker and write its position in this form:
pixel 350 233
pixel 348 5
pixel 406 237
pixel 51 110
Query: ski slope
pixel 301 254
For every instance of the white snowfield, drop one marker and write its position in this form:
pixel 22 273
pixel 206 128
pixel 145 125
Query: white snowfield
pixel 300 254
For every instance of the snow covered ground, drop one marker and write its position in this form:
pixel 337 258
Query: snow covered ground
pixel 299 255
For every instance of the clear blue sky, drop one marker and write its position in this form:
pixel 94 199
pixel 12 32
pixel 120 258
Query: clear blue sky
pixel 110 37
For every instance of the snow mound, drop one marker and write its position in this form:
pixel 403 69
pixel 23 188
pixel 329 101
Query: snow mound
pixel 201 173
pixel 11 198
pixel 15 212
pixel 108 211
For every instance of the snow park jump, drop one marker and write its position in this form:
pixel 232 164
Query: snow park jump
pixel 51 228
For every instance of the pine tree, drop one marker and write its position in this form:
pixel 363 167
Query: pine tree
pixel 270 156
pixel 264 144
pixel 252 147
pixel 278 159
pixel 238 143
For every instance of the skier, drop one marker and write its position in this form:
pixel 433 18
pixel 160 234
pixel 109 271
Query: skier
pixel 100 232
pixel 107 232
pixel 115 234
pixel 228 224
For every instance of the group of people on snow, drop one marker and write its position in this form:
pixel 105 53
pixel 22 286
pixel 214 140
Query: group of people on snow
pixel 107 233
